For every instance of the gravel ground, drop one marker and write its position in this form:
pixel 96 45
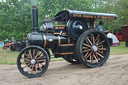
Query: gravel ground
pixel 113 72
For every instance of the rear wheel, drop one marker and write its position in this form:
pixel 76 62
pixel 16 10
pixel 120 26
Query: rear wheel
pixel 33 61
pixel 93 48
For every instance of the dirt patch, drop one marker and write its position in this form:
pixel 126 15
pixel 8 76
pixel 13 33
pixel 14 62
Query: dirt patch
pixel 113 72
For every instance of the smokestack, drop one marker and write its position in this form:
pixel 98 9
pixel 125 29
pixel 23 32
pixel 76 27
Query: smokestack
pixel 34 14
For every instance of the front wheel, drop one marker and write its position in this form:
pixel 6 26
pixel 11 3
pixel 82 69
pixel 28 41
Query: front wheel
pixel 33 61
pixel 93 48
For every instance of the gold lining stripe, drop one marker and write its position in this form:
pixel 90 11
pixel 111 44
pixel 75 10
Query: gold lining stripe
pixel 59 41
pixel 66 45
pixel 59 25
pixel 64 53
pixel 45 41
pixel 59 33
pixel 68 40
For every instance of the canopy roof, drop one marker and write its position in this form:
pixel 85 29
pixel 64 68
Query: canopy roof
pixel 65 15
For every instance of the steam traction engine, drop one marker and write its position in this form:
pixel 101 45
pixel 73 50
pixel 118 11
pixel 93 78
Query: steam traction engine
pixel 76 41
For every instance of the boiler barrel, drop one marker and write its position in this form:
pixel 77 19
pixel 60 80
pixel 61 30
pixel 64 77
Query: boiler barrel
pixel 47 40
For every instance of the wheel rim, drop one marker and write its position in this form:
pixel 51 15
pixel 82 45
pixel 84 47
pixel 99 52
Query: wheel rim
pixel 32 62
pixel 95 48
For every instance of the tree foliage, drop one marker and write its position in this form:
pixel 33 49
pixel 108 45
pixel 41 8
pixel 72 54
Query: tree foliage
pixel 15 15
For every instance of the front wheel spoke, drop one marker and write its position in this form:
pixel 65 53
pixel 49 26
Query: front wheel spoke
pixel 36 55
pixel 36 68
pixel 26 66
pixel 27 55
pixel 40 57
pixel 25 59
pixel 101 42
pixel 89 40
pixel 39 67
pixel 32 68
pixel 86 45
pixel 30 54
pixel 99 54
pixel 25 62
pixel 33 53
pixel 42 64
pixel 86 50
pixel 41 60
pixel 29 68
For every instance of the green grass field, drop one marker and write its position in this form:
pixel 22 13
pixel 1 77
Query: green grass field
pixel 122 49
pixel 9 57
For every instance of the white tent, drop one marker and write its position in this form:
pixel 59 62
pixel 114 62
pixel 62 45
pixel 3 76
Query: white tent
pixel 114 39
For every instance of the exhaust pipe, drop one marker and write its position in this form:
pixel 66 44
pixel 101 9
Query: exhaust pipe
pixel 34 15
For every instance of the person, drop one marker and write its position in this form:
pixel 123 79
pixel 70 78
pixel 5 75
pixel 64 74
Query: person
pixel 99 26
pixel 91 24
pixel 18 46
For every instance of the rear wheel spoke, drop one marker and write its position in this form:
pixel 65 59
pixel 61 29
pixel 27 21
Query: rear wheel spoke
pixel 89 55
pixel 92 57
pixel 99 55
pixel 86 50
pixel 89 40
pixel 86 45
pixel 97 38
pixel 86 54
pixel 101 42
pixel 93 39
pixel 100 52
pixel 102 49
pixel 98 41
pixel 96 58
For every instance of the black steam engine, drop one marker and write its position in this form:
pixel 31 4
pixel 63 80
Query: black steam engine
pixel 76 40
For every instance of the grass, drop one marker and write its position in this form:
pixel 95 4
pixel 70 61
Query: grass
pixel 122 49
pixel 10 57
